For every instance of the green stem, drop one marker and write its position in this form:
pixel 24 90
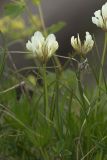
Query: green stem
pixel 81 91
pixel 44 154
pixel 101 72
pixel 84 99
pixel 57 61
pixel 57 96
pixel 45 90
pixel 29 13
pixel 42 19
pixel 103 60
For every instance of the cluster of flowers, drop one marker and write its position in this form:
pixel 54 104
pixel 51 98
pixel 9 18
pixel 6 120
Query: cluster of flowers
pixel 43 48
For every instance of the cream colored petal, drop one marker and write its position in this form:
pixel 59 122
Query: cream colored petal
pixel 104 11
pixel 106 24
pixel 97 13
pixel 77 47
pixel 38 36
pixel 38 39
pixel 88 43
pixel 79 42
pixel 91 44
pixel 52 49
pixel 99 17
pixel 95 21
pixel 51 37
pixel 29 46
pixel 72 41
pixel 88 38
pixel 38 42
pixel 51 45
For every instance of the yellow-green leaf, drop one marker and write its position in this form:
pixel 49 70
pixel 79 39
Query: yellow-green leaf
pixel 14 9
pixel 56 27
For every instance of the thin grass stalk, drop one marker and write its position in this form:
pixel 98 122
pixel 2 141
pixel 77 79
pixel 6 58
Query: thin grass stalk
pixel 57 97
pixel 57 61
pixel 84 100
pixel 42 19
pixel 44 154
pixel 102 61
pixel 45 90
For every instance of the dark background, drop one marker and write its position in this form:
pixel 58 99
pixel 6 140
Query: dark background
pixel 76 13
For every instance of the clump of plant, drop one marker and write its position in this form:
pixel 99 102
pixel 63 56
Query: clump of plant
pixel 47 112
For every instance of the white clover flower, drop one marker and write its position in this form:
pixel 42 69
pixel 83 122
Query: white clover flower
pixel 42 48
pixel 82 48
pixel 100 18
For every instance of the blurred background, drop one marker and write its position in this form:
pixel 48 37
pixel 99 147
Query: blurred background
pixel 74 15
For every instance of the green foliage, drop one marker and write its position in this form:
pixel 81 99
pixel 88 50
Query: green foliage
pixel 66 119
pixel 14 9
pixel 56 27
pixel 24 125
pixel 37 2
pixel 3 52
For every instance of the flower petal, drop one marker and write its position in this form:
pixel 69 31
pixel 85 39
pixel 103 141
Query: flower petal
pixel 51 45
pixel 104 11
pixel 29 46
pixel 95 21
pixel 99 17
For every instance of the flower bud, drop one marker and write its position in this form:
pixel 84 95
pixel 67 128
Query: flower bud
pixel 82 48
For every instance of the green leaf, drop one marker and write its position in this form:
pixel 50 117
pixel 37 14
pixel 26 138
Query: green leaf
pixel 56 27
pixel 37 2
pixel 69 79
pixel 14 9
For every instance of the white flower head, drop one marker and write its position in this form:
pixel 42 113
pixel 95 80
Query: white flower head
pixel 100 18
pixel 85 47
pixel 41 47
